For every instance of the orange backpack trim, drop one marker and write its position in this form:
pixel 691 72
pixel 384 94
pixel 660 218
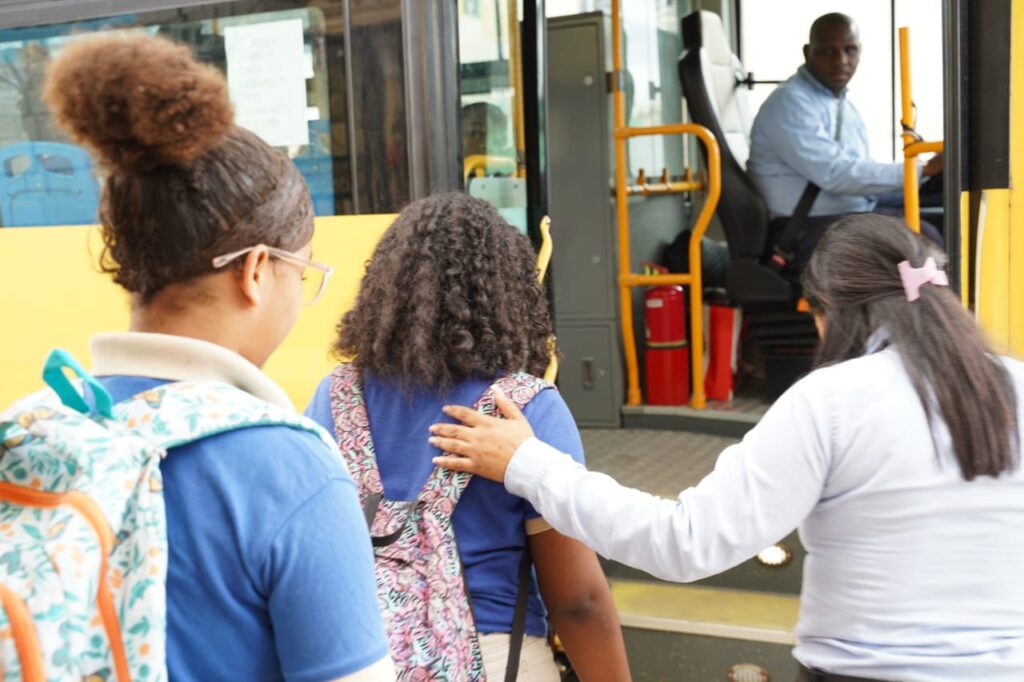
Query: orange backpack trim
pixel 26 640
pixel 24 634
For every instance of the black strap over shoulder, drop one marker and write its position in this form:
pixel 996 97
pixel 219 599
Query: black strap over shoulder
pixel 786 244
pixel 515 642
pixel 370 512
pixel 796 227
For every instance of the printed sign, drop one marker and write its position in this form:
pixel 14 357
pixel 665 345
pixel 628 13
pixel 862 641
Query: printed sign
pixel 267 66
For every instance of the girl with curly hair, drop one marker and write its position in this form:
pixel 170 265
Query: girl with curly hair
pixel 208 228
pixel 449 309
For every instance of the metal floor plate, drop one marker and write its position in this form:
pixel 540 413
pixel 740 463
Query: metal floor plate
pixel 731 418
pixel 659 462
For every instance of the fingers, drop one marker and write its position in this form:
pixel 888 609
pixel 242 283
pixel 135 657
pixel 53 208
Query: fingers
pixel 452 445
pixel 465 415
pixel 507 407
pixel 451 431
pixel 455 463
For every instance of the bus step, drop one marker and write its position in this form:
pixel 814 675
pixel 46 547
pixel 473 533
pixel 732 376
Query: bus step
pixel 765 575
pixel 721 418
pixel 687 632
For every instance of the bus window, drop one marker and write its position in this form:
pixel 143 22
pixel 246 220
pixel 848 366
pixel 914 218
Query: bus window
pixel 491 118
pixel 286 73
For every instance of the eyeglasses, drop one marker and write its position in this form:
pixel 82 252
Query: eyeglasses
pixel 314 273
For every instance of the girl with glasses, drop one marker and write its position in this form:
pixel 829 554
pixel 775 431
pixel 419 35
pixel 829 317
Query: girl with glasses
pixel 208 229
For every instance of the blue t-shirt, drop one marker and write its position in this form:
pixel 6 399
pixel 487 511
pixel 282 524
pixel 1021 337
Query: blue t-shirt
pixel 270 570
pixel 488 521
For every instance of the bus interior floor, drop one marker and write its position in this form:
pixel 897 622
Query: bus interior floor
pixel 660 462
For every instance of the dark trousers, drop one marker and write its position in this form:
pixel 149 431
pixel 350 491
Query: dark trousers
pixel 816 226
pixel 809 675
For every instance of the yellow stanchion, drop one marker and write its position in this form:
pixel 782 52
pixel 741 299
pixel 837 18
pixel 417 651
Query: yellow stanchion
pixel 627 279
pixel 913 146
pixel 543 260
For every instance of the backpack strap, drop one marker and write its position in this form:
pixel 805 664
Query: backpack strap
pixel 515 641
pixel 404 510
pixel 352 434
pixel 520 388
pixel 179 413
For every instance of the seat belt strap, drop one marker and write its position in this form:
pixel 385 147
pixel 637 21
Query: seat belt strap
pixel 786 245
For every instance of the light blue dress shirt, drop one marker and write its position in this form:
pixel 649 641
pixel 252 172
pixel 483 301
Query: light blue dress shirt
pixel 793 142
pixel 912 573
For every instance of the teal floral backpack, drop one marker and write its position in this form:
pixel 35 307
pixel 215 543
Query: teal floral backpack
pixel 83 536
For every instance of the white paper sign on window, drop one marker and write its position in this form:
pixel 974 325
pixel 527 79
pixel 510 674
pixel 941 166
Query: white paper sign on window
pixel 267 80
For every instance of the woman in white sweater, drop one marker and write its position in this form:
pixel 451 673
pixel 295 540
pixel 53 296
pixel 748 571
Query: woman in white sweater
pixel 897 459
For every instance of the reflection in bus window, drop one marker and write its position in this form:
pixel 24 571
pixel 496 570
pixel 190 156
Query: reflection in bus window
pixel 289 83
pixel 491 119
pixel 378 96
pixel 46 183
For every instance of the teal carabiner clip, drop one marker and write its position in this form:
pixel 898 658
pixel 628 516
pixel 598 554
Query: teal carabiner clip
pixel 55 378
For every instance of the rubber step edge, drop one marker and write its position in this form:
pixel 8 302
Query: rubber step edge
pixel 708 611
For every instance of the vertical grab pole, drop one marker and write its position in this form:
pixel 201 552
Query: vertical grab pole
pixel 714 187
pixel 516 75
pixel 543 260
pixel 911 200
pixel 622 209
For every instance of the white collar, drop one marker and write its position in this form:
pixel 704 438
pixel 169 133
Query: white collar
pixel 180 358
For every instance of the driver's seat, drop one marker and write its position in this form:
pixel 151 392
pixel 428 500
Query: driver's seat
pixel 711 77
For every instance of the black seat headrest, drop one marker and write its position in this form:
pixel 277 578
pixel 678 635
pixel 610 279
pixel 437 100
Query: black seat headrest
pixel 692 38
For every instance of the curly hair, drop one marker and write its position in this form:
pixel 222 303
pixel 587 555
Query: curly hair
pixel 451 292
pixel 183 183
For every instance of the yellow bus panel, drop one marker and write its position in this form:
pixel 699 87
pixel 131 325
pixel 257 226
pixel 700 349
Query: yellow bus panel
pixel 55 297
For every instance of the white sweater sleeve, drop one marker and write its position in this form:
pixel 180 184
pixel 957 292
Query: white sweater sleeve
pixel 760 490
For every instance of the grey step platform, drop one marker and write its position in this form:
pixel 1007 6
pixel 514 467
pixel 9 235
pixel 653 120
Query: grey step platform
pixel 744 616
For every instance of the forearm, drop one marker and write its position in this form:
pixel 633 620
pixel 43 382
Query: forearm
pixel 620 523
pixel 592 637
pixel 861 177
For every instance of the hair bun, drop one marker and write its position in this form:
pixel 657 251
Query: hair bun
pixel 139 101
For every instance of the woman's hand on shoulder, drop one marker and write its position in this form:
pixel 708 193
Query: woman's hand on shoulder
pixel 481 445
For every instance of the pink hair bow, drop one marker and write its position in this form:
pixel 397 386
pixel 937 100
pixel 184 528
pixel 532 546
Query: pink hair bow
pixel 915 278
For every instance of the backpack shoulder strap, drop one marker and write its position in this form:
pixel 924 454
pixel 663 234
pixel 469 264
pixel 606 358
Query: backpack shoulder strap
pixel 515 642
pixel 352 434
pixel 520 388
pixel 179 413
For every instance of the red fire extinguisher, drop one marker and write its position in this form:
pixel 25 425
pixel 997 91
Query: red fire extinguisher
pixel 667 351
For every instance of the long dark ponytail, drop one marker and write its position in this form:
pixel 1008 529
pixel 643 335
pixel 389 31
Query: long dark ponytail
pixel 853 279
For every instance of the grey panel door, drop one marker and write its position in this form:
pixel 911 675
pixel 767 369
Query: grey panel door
pixel 578 151
pixel 587 376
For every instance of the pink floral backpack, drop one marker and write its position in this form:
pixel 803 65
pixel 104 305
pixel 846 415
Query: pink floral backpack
pixel 420 586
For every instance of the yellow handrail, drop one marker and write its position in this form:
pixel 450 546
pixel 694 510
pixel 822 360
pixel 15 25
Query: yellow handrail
pixel 543 260
pixel 627 279
pixel 912 146
pixel 479 163
pixel 546 248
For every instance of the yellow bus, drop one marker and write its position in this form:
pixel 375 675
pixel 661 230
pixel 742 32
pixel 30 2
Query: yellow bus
pixel 530 104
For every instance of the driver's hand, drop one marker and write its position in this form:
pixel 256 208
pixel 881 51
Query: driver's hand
pixel 934 166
